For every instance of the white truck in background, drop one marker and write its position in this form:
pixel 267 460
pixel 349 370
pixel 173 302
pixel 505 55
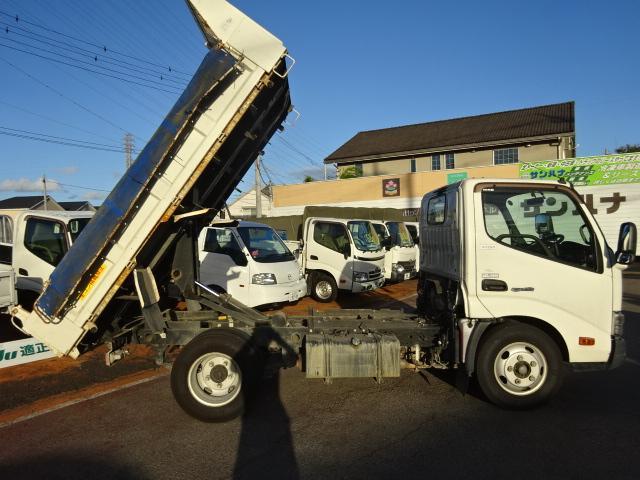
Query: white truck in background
pixel 39 240
pixel 250 262
pixel 401 251
pixel 413 228
pixel 512 285
pixel 336 254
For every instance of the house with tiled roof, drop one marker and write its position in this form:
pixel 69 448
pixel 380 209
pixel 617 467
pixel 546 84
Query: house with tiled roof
pixel 530 134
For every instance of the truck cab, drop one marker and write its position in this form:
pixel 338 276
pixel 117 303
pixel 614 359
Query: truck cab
pixel 400 258
pixel 39 239
pixel 340 254
pixel 249 261
pixel 525 280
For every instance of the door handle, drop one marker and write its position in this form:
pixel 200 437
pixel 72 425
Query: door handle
pixel 491 285
pixel 313 257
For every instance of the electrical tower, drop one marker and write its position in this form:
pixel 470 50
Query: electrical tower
pixel 128 149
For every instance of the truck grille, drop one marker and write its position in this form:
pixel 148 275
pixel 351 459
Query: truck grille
pixel 375 273
pixel 408 265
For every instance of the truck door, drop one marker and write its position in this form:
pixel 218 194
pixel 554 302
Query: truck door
pixel 537 255
pixel 328 249
pixel 224 264
pixel 43 245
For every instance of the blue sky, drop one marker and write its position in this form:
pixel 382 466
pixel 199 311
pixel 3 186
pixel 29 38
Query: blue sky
pixel 360 65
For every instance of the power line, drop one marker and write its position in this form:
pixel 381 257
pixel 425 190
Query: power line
pixel 295 149
pixel 84 52
pixel 100 47
pixel 78 186
pixel 63 96
pixel 29 112
pixel 72 142
pixel 91 70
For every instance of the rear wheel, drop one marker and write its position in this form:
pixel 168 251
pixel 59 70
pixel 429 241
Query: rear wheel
pixel 324 288
pixel 519 366
pixel 214 374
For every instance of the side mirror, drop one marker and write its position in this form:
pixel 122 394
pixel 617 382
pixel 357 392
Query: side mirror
pixel 627 241
pixel 387 243
pixel 346 251
pixel 239 259
pixel 417 240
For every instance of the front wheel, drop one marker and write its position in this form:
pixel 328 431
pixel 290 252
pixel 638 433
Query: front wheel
pixel 519 366
pixel 323 288
pixel 214 374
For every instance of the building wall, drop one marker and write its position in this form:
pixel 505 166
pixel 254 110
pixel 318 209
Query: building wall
pixel 241 207
pixel 466 159
pixel 367 191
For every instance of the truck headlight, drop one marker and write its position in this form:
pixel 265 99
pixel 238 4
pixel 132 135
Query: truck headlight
pixel 264 279
pixel 360 276
pixel 396 267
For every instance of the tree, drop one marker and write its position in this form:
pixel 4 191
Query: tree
pixel 628 148
pixel 308 179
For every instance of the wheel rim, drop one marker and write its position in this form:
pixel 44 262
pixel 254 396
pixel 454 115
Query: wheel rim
pixel 214 379
pixel 324 289
pixel 520 368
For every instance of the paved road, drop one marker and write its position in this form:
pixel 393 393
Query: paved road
pixel 414 426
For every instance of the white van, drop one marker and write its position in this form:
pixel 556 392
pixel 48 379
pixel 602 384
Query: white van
pixel 400 258
pixel 250 262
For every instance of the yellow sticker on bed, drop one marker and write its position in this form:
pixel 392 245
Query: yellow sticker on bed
pixel 94 280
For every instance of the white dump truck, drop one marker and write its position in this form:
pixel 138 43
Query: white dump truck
pixel 510 289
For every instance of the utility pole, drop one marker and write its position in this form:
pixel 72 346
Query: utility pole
pixel 258 189
pixel 128 149
pixel 44 188
pixel 325 171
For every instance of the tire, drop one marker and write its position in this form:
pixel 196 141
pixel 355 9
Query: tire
pixel 323 288
pixel 518 366
pixel 225 354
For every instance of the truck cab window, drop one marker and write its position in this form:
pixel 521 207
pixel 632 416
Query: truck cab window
pixel 223 242
pixel 46 239
pixel 332 236
pixel 365 235
pixel 265 245
pixel 543 222
pixel 436 210
pixel 6 239
pixel 400 234
pixel 76 226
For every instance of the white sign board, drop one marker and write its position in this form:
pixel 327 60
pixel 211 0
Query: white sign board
pixel 22 351
pixel 613 205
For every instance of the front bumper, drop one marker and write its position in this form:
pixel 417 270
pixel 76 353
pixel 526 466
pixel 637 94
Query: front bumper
pixel 405 275
pixel 279 293
pixel 367 286
pixel 616 357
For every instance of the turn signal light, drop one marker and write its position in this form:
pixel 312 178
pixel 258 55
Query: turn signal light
pixel 586 341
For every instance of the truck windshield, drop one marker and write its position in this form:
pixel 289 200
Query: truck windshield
pixel 399 234
pixel 76 226
pixel 364 236
pixel 265 245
